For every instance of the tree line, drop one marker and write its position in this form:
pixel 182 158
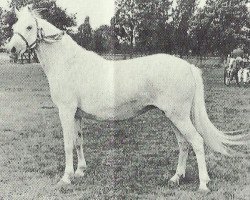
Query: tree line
pixel 152 26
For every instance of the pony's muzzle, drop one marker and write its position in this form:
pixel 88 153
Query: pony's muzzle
pixel 15 45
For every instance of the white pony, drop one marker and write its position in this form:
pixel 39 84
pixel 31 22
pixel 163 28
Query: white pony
pixel 117 90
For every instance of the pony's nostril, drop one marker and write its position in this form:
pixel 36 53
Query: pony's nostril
pixel 13 50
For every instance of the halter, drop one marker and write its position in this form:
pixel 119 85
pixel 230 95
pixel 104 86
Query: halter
pixel 41 37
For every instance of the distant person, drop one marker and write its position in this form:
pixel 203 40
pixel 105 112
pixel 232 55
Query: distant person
pixel 239 62
pixel 245 61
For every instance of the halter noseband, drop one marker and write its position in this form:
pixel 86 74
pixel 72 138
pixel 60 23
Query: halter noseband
pixel 40 37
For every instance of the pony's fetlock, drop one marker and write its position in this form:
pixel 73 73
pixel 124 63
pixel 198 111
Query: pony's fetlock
pixel 175 180
pixel 80 172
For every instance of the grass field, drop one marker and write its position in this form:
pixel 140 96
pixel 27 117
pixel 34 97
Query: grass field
pixel 126 160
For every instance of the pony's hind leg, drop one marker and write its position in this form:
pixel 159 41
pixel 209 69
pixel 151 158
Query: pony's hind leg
pixel 81 165
pixel 183 155
pixel 187 129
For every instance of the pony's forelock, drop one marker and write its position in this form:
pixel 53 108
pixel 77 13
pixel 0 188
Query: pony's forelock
pixel 36 12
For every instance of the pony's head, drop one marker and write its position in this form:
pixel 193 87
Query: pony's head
pixel 24 31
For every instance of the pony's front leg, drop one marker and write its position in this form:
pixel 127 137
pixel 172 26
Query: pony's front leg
pixel 81 165
pixel 66 115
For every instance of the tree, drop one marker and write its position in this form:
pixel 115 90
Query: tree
pixel 155 28
pixel 225 33
pixel 102 39
pixel 49 11
pixel 127 18
pixel 142 20
pixel 1 27
pixel 217 27
pixel 84 35
pixel 181 21
pixel 115 45
pixel 7 20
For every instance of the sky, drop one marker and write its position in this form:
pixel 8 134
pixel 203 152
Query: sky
pixel 99 11
pixel 4 3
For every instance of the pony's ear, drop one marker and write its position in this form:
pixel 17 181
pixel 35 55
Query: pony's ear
pixel 17 12
pixel 29 7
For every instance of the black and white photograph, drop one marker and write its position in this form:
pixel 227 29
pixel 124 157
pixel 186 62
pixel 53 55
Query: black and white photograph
pixel 125 99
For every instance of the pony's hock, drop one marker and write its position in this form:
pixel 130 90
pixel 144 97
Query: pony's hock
pixel 117 90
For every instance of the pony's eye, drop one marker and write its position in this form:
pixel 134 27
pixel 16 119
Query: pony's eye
pixel 29 28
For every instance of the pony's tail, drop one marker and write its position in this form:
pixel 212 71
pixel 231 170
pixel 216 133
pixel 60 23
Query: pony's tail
pixel 224 143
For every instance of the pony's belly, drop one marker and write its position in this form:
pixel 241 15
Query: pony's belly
pixel 121 112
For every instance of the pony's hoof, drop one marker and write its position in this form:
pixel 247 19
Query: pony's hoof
pixel 204 190
pixel 173 183
pixel 63 184
pixel 64 187
pixel 79 173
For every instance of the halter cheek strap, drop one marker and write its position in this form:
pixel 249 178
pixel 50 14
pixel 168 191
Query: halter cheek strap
pixel 26 42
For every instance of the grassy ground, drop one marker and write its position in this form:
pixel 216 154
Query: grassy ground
pixel 126 160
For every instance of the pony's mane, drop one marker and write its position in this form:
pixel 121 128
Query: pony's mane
pixel 37 12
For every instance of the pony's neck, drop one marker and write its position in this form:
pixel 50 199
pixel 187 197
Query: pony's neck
pixel 54 55
pixel 48 28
